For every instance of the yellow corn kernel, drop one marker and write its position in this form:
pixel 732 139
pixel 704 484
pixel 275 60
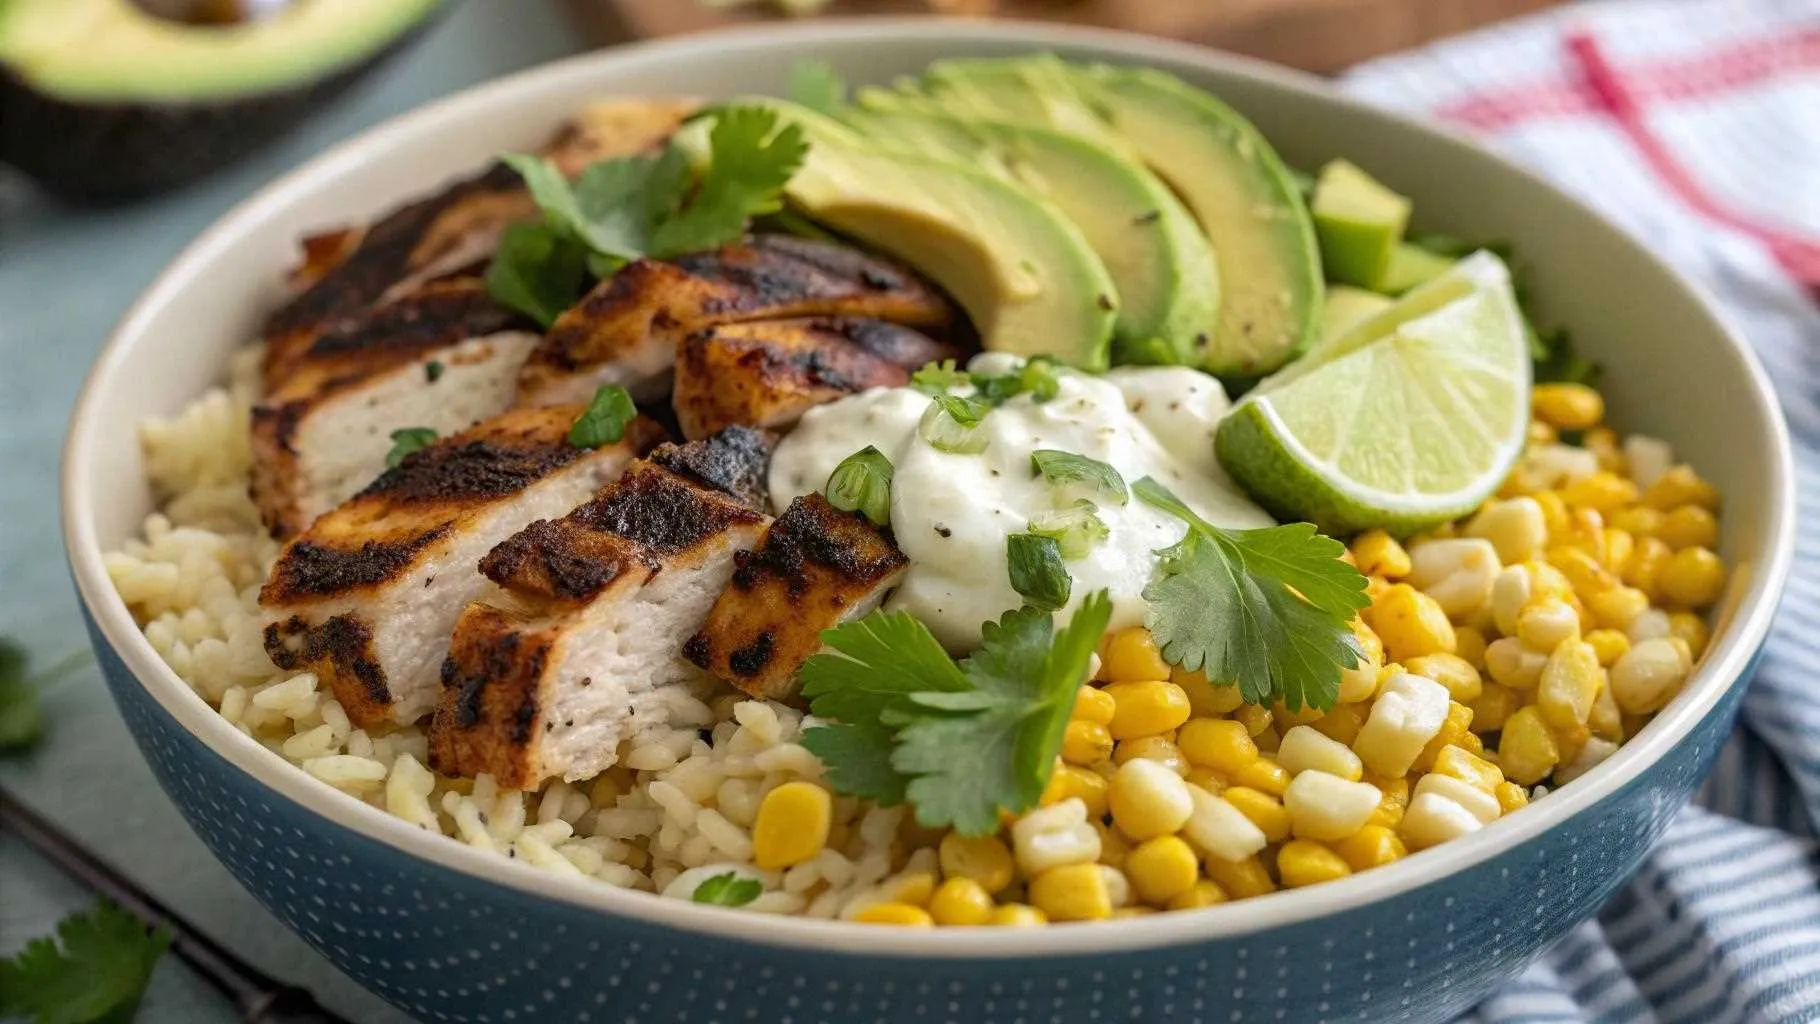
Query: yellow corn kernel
pixel 1148 800
pixel 892 912
pixel 1617 607
pixel 1569 684
pixel 1203 893
pixel 985 860
pixel 1569 741
pixel 1453 728
pixel 1305 862
pixel 1263 810
pixel 1602 492
pixel 1268 741
pixel 1619 546
pixel 1554 511
pixel 1017 915
pixel 1361 681
pixel 792 825
pixel 1608 644
pixel 1511 797
pixel 1586 533
pixel 1092 704
pixel 1639 521
pixel 1086 742
pixel 913 887
pixel 1071 782
pixel 1072 892
pixel 1263 775
pixel 1527 751
pixel 1131 657
pixel 1205 700
pixel 1540 433
pixel 1286 719
pixel 1692 578
pixel 1160 749
pixel 1342 723
pixel 1471 744
pixel 1240 878
pixel 1395 790
pixel 1606 720
pixel 1146 708
pixel 1378 554
pixel 1162 868
pixel 1469 645
pixel 1603 443
pixel 1255 719
pixel 1410 623
pixel 1511 663
pixel 1646 563
pixel 1455 762
pixel 1567 406
pixel 961 901
pixel 1452 671
pixel 1370 847
pixel 1680 485
pixel 1212 781
pixel 1582 570
pixel 1516 528
pixel 1689 526
pixel 1692 629
pixel 1218 743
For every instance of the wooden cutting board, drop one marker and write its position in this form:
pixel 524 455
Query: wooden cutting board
pixel 1316 35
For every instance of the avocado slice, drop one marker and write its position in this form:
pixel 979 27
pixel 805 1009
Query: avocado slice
pixel 1359 222
pixel 1026 276
pixel 1410 266
pixel 1247 203
pixel 1163 267
pixel 101 100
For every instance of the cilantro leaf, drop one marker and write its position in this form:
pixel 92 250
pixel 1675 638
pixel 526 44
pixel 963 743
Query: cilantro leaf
pixel 937 378
pixel 604 420
pixel 816 85
pixel 994 746
pixel 728 890
pixel 1037 572
pixel 537 271
pixel 21 719
pixel 1267 610
pixel 99 973
pixel 752 160
pixel 873 664
pixel 406 440
pixel 1065 468
pixel 858 759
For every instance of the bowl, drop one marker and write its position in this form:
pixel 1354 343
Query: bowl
pixel 448 932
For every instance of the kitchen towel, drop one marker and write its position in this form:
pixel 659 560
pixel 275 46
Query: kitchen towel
pixel 1695 126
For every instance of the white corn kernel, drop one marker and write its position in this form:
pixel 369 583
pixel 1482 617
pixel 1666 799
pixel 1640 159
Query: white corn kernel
pixel 1555 464
pixel 1456 572
pixel 1118 887
pixel 1648 675
pixel 1651 624
pixel 1479 803
pixel 1305 748
pixel 1221 830
pixel 1148 799
pixel 1647 458
pixel 1053 836
pixel 1516 529
pixel 1409 711
pixel 1323 806
pixel 1592 753
pixel 1432 818
pixel 1509 663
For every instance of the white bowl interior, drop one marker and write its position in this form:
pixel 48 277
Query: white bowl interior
pixel 1671 370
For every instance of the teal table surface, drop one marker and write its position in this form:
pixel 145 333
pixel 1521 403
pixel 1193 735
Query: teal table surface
pixel 65 277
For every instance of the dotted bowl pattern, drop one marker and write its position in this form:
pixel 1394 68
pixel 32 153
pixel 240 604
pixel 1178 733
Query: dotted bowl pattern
pixel 447 946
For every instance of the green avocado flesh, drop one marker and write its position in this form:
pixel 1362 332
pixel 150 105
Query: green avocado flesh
pixel 1229 178
pixel 1022 271
pixel 1359 222
pixel 104 51
pixel 1410 266
pixel 1167 279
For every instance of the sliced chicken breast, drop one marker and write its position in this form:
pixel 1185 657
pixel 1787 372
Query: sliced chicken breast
pixel 626 330
pixel 767 373
pixel 445 357
pixel 367 597
pixel 818 567
pixel 578 649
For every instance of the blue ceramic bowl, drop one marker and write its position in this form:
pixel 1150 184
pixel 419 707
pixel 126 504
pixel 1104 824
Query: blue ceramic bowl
pixel 450 933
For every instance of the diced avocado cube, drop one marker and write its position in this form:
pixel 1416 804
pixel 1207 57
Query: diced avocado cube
pixel 1359 222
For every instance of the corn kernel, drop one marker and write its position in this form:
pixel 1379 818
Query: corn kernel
pixel 1516 528
pixel 1131 657
pixel 1540 433
pixel 1569 685
pixel 1127 913
pixel 1255 719
pixel 1527 751
pixel 1086 742
pixel 1603 492
pixel 1113 848
pixel 1469 645
pixel 1456 573
pixel 1361 681
pixel 1395 790
pixel 1512 663
pixel 1221 830
pixel 1217 743
pixel 1479 803
pixel 1240 879
pixel 1342 724
pixel 1323 806
pixel 1263 775
pixel 1072 892
pixel 1567 406
pixel 1118 887
pixel 1692 578
pixel 1592 754
pixel 1645 564
pixel 1472 744
pixel 1619 546
pixel 1583 571
pixel 1017 915
pixel 1450 670
pixel 1069 782
pixel 1304 862
pixel 1543 624
pixel 1161 869
pixel 1586 534
pixel 1689 526
pixel 1433 819
pixel 1148 800
pixel 1511 797
pixel 1208 779
pixel 1410 623
pixel 1608 645
pixel 1146 708
pixel 1263 810
pixel 1648 676
pixel 1092 704
pixel 1640 521
pixel 1376 553
pixel 1203 893
pixel 1369 847
pixel 962 902
pixel 1455 762
pixel 1407 714
pixel 891 912
pixel 1205 700
pixel 1554 511
pixel 984 860
pixel 1692 629
pixel 1054 835
pixel 1453 729
pixel 1603 442
pixel 1617 607
pixel 1305 748
pixel 1606 720
pixel 792 825
pixel 1285 719
pixel 1160 749
pixel 1680 485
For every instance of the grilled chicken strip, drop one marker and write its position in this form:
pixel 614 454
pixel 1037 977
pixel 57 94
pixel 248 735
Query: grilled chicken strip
pixel 767 373
pixel 443 357
pixel 348 270
pixel 625 331
pixel 578 649
pixel 818 567
pixel 367 597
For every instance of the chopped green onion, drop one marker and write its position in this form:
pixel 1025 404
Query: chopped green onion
pixel 1065 469
pixel 407 440
pixel 1077 528
pixel 605 419
pixel 1037 571
pixel 862 483
pixel 937 378
pixel 952 424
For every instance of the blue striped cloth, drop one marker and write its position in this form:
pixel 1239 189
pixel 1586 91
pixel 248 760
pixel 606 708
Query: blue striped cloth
pixel 1695 125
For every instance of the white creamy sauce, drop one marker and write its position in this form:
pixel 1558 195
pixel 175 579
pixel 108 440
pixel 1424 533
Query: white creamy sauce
pixel 952 512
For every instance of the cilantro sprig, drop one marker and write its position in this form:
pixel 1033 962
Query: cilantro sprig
pixel 604 420
pixel 93 972
pixel 406 440
pixel 959 741
pixel 1266 610
pixel 619 210
pixel 21 717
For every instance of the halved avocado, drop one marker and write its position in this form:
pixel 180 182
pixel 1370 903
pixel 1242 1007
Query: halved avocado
pixel 1163 267
pixel 1025 275
pixel 101 100
pixel 1233 182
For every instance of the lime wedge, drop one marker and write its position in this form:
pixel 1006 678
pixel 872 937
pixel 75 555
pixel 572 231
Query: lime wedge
pixel 1409 418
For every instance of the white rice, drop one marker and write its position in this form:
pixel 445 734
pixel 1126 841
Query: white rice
pixel 679 806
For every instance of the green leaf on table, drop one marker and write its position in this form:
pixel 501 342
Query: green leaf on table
pixel 93 972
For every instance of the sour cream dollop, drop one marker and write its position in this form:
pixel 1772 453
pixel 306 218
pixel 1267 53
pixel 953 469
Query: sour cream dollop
pixel 952 512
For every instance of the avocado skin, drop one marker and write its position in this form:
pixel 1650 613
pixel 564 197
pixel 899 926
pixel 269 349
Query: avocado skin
pixel 99 154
